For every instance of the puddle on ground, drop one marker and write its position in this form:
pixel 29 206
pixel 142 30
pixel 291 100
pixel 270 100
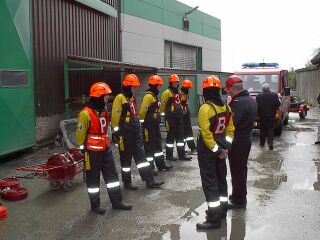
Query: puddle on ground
pixel 233 227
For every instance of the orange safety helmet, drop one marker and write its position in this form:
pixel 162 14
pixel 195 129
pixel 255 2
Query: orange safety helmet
pixel 187 83
pixel 232 80
pixel 131 80
pixel 155 80
pixel 99 88
pixel 173 78
pixel 211 81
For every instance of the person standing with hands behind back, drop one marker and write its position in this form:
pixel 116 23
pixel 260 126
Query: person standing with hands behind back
pixel 244 113
pixel 214 142
pixel 92 137
pixel 267 104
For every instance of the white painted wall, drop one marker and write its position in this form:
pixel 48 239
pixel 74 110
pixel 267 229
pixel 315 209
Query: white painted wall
pixel 143 43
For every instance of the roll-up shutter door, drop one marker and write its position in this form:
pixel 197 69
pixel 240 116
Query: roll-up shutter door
pixel 184 56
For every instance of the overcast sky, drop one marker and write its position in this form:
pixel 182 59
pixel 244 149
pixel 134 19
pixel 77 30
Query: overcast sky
pixel 280 31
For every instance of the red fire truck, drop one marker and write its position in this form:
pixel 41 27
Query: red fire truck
pixel 255 74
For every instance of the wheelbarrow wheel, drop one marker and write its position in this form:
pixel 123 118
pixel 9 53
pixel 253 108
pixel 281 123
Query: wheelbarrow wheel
pixel 68 185
pixel 55 185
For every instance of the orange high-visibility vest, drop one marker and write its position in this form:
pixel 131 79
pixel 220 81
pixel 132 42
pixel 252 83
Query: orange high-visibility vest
pixel 97 135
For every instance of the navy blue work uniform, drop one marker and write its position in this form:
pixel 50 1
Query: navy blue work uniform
pixel 244 109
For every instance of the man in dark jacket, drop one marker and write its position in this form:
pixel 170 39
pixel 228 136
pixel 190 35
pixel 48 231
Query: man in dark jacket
pixel 267 104
pixel 244 109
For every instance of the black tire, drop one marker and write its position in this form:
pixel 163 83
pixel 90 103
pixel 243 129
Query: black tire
pixel 55 185
pixel 303 114
pixel 286 121
pixel 278 130
pixel 68 185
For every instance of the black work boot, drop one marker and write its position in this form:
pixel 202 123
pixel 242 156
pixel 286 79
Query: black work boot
pixel 95 203
pixel 185 158
pixel 122 206
pixel 98 210
pixel 130 186
pixel 213 219
pixel 154 184
pixel 171 158
pixel 164 167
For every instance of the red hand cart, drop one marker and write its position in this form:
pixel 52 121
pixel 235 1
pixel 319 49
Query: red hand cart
pixel 59 170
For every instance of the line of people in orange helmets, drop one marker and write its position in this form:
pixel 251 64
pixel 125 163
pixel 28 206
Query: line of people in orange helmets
pixel 138 136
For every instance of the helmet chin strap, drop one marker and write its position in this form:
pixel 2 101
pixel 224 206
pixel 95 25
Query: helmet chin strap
pixel 127 91
pixel 97 103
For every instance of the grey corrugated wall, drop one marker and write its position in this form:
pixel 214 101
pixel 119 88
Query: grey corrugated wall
pixel 308 84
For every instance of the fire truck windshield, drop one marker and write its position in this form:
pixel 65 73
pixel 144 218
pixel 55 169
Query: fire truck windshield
pixel 253 83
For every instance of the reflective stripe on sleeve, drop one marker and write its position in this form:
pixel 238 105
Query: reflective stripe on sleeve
pixel 214 204
pixel 113 185
pixel 141 165
pixel 162 114
pixel 180 144
pixel 189 138
pixel 93 190
pixel 81 147
pixel 126 169
pixel 116 129
pixel 169 145
pixel 215 149
pixel 141 121
pixel 228 139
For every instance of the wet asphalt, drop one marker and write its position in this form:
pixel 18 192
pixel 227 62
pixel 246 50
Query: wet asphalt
pixel 283 198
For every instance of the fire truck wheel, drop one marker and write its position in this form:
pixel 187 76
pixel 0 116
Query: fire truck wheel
pixel 278 130
pixel 303 114
pixel 68 185
pixel 55 185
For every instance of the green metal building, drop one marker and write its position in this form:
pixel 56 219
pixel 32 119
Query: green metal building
pixel 52 51
pixel 17 117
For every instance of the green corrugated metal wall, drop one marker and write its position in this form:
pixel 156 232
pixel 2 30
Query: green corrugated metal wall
pixel 170 13
pixel 17 118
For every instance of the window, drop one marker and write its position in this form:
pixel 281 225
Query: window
pixel 13 78
pixel 183 56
